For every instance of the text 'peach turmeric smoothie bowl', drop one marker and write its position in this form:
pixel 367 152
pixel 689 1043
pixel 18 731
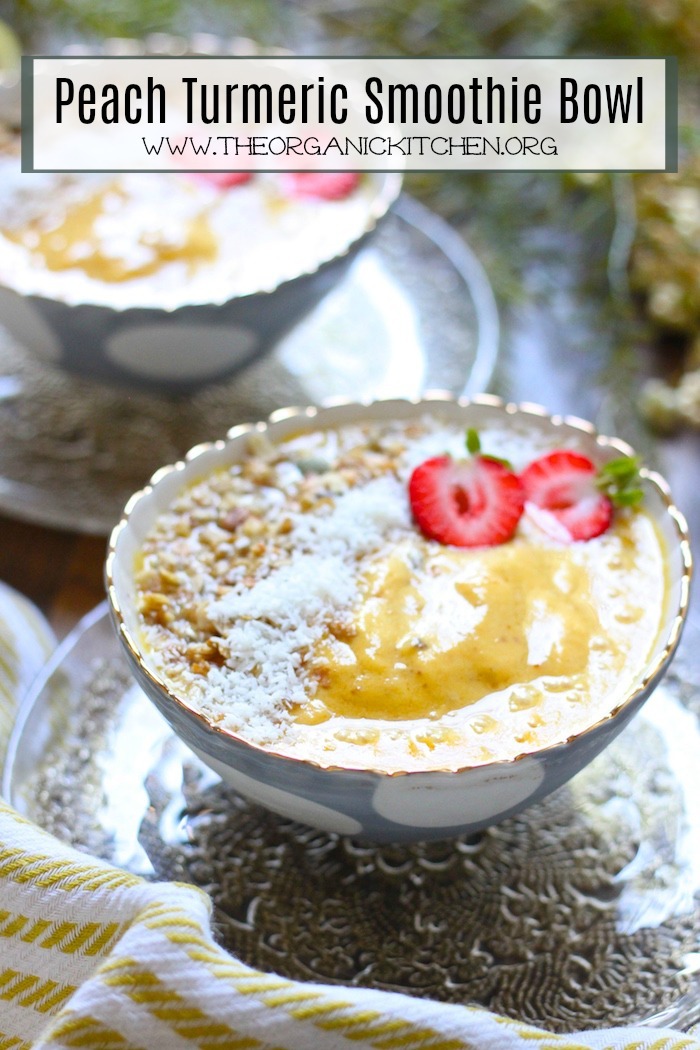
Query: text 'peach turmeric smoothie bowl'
pixel 431 607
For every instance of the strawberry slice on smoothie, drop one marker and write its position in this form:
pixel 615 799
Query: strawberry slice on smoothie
pixel 571 499
pixel 475 502
pixel 321 185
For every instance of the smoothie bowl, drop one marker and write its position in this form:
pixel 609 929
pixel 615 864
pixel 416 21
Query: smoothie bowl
pixel 169 280
pixel 364 625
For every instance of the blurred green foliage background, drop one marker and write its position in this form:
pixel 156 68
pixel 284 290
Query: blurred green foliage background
pixel 642 231
pixel 412 27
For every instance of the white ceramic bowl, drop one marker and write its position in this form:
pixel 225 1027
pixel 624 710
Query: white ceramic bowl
pixel 183 344
pixel 389 807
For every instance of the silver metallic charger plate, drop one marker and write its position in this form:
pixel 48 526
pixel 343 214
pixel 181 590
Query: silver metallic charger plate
pixel 581 912
pixel 415 313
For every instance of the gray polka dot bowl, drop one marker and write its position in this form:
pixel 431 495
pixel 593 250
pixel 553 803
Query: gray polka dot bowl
pixel 424 803
pixel 184 341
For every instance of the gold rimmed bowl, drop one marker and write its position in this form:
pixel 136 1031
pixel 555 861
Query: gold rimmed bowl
pixel 174 341
pixel 420 804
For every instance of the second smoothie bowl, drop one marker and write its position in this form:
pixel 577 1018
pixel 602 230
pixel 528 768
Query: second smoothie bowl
pixel 365 625
pixel 168 280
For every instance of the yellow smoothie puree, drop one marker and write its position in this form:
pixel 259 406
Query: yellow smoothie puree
pixel 73 240
pixel 460 656
pixel 293 601
pixel 433 639
pixel 160 239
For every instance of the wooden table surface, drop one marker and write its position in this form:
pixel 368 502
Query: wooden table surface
pixel 60 571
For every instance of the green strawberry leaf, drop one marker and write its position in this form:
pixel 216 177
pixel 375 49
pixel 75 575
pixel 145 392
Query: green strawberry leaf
pixel 619 480
pixel 497 459
pixel 472 442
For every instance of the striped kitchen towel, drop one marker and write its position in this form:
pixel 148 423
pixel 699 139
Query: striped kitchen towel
pixel 94 957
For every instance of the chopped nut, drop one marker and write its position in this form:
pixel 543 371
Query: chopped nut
pixel 169 580
pixel 335 482
pixel 253 526
pixel 233 518
pixel 259 444
pixel 258 471
pixel 152 600
pixel 154 608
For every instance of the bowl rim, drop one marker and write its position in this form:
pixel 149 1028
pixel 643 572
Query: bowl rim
pixel 197 44
pixel 653 668
pixel 387 192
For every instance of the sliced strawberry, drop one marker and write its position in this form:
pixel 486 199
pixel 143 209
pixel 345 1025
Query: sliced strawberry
pixel 467 503
pixel 223 180
pixel 562 485
pixel 323 185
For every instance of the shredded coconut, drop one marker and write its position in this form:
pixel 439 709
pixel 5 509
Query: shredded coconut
pixel 282 236
pixel 267 629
